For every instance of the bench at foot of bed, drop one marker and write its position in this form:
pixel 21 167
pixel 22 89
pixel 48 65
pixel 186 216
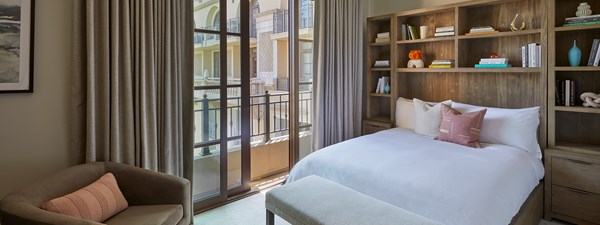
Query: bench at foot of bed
pixel 315 200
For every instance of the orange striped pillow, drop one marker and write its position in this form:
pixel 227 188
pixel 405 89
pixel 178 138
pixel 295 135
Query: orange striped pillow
pixel 96 202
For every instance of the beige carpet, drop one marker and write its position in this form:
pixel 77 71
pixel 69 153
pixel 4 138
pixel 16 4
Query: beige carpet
pixel 251 211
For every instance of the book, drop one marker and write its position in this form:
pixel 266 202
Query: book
pixel 481 29
pixel 493 61
pixel 378 86
pixel 441 62
pixel 582 17
pixel 579 24
pixel 443 34
pixel 524 56
pixel 538 55
pixel 439 66
pixel 558 92
pixel 593 52
pixel 532 50
pixel 382 63
pixel 481 33
pixel 584 20
pixel 383 35
pixel 562 92
pixel 492 65
pixel 414 34
pixel 567 93
pixel 573 93
pixel 597 57
pixel 382 40
pixel 403 32
pixel 444 29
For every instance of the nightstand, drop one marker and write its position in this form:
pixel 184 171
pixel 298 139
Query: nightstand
pixel 572 186
pixel 374 126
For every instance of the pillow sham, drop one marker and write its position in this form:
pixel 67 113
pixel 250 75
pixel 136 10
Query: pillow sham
pixel 463 129
pixel 405 113
pixel 514 127
pixel 96 202
pixel 428 117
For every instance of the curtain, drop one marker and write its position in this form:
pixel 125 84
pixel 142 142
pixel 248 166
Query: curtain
pixel 338 60
pixel 131 61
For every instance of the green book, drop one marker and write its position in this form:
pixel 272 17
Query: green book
pixel 492 65
pixel 579 24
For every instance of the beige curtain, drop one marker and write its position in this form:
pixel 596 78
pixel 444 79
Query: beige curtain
pixel 131 61
pixel 338 51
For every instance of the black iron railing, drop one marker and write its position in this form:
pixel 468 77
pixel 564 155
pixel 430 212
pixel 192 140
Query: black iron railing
pixel 281 18
pixel 269 117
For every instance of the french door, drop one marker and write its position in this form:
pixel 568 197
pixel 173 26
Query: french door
pixel 252 87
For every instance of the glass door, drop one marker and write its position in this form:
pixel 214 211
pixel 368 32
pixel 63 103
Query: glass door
pixel 221 101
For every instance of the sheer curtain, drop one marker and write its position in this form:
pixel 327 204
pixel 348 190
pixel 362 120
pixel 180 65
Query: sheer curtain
pixel 338 86
pixel 131 72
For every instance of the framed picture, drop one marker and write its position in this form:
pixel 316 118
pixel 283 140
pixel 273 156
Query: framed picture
pixel 16 46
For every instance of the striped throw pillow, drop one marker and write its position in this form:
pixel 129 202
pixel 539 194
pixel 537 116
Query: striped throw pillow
pixel 96 202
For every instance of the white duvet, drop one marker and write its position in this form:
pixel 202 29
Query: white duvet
pixel 446 182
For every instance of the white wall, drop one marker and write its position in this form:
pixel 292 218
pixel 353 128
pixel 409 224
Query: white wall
pixel 380 7
pixel 34 128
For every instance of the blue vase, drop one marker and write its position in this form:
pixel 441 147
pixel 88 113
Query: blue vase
pixel 574 55
pixel 387 88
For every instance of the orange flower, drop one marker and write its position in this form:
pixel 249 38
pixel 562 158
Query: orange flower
pixel 415 54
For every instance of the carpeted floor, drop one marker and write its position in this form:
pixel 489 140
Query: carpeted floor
pixel 251 211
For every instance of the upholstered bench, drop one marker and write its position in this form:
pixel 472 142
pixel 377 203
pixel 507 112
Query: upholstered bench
pixel 314 200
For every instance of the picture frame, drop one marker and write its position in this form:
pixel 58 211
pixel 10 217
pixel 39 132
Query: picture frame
pixel 16 45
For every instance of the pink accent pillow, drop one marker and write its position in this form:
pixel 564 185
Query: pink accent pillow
pixel 463 129
pixel 96 202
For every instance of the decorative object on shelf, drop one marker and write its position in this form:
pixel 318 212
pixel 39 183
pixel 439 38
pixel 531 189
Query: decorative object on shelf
pixel 574 55
pixel 423 32
pixel 583 10
pixel 591 99
pixel 513 25
pixel 482 30
pixel 415 59
pixel 387 89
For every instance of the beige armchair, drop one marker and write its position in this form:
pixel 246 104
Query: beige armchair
pixel 154 198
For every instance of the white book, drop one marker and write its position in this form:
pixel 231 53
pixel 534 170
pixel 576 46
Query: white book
pixel 538 55
pixel 384 81
pixel 524 56
pixel 383 35
pixel 442 34
pixel 597 59
pixel 444 29
pixel 378 86
pixel 494 59
pixel 482 29
pixel 567 93
pixel 532 53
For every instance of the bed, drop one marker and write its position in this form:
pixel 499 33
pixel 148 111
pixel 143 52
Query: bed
pixel 446 182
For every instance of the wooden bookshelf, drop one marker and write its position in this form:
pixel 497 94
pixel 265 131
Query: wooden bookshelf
pixel 572 130
pixel 514 87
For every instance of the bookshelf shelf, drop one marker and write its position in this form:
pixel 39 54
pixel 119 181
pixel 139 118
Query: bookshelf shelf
pixel 380 95
pixel 577 147
pixel 578 109
pixel 501 34
pixel 575 28
pixel 427 40
pixel 580 68
pixel 470 70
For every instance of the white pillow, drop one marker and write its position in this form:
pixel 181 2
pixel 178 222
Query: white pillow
pixel 514 127
pixel 405 113
pixel 428 117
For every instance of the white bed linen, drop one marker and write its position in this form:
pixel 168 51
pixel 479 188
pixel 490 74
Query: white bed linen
pixel 446 182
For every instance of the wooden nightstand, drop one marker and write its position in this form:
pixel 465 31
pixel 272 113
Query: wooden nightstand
pixel 373 126
pixel 573 186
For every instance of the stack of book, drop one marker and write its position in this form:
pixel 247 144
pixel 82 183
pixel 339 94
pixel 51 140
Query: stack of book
pixel 381 85
pixel 531 55
pixel 409 32
pixel 442 63
pixel 566 93
pixel 482 30
pixel 493 63
pixel 594 59
pixel 382 64
pixel 444 31
pixel 383 37
pixel 583 20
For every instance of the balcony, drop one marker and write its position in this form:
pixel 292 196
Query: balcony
pixel 281 18
pixel 269 135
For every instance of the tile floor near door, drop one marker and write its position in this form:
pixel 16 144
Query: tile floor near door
pixel 251 211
